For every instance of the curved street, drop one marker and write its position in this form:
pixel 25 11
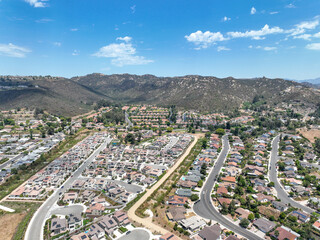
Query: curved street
pixel 35 227
pixel 273 176
pixel 204 207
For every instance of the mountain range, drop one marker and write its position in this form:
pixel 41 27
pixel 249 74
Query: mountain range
pixel 78 94
pixel 315 83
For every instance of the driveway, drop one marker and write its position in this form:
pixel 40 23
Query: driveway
pixel 137 234
pixel 67 210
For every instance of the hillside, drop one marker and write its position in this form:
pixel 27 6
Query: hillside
pixel 197 92
pixel 56 95
pixel 77 95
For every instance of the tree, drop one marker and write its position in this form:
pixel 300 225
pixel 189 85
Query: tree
pixel 31 134
pixel 244 223
pixel 271 184
pixel 203 169
pixel 238 190
pixel 232 207
pixel 224 209
pixel 283 215
pixel 129 138
pixel 251 217
pixel 281 166
pixel 175 227
pixel 200 183
pixel 220 132
pixel 194 197
pixel 292 218
pixel 250 189
pixel 241 181
pixel 50 130
pixel 204 143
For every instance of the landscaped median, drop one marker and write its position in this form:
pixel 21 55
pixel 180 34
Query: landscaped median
pixel 154 198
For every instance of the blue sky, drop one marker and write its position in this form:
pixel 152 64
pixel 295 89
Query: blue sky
pixel 239 38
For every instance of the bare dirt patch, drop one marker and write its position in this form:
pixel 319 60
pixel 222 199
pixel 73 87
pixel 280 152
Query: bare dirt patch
pixel 9 224
pixel 310 134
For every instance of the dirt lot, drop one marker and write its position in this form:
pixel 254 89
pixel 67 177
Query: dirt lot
pixel 310 134
pixel 9 223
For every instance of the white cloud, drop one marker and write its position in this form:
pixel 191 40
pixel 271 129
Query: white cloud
pixel 74 29
pixel 290 6
pixel 44 20
pixel 269 48
pixel 264 48
pixel 256 34
pixel 130 60
pixel 313 46
pixel 253 11
pixel 37 3
pixel 75 53
pixel 272 13
pixel 204 39
pixel 303 30
pixel 303 36
pixel 126 39
pixel 303 26
pixel 122 54
pixel 222 48
pixel 225 19
pixel 12 50
pixel 58 44
pixel 133 8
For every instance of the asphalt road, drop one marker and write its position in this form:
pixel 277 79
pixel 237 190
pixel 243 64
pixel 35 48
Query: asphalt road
pixel 137 234
pixel 204 207
pixel 35 227
pixel 12 160
pixel 281 193
pixel 129 187
pixel 173 141
pixel 128 120
pixel 17 157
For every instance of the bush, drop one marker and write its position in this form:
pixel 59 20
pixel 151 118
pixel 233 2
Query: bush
pixel 244 223
pixel 194 197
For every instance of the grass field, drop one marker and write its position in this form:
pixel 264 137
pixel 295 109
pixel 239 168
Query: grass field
pixel 14 225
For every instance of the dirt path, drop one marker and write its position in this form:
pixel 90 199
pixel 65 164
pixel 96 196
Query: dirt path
pixel 9 223
pixel 146 221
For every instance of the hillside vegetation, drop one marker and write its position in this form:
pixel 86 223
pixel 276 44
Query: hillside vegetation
pixel 78 94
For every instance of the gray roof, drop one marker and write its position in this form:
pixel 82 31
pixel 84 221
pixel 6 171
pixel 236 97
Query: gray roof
pixel 264 225
pixel 184 192
pixel 210 233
